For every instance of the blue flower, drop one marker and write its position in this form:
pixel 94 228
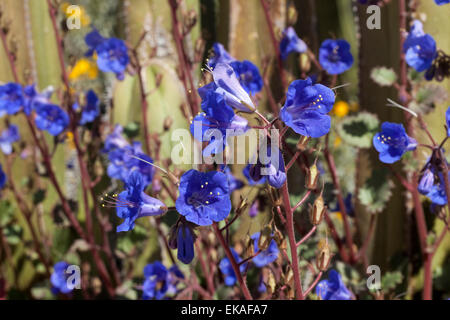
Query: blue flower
pixel 437 193
pixel 160 282
pixel 248 75
pixel 123 161
pixel 419 47
pixel 115 140
pixel 32 98
pixel 204 197
pixel 227 269
pixel 216 122
pixel 11 98
pixel 91 110
pixel 8 137
pixel 335 56
pixel 291 43
pixel 112 53
pixel 133 203
pixel 306 108
pixel 185 244
pixel 266 256
pixel 220 56
pixel 333 288
pixel 447 121
pixel 233 182
pixel 276 173
pixel 59 278
pixel 392 142
pixel 229 86
pixel 253 174
pixel 51 118
pixel 441 2
pixel 2 178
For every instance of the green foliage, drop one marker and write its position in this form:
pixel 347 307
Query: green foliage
pixel 426 97
pixel 383 76
pixel 376 191
pixel 358 130
pixel 391 280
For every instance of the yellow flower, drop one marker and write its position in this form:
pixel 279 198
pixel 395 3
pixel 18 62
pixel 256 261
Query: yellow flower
pixel 70 140
pixel 83 68
pixel 337 142
pixel 83 16
pixel 341 109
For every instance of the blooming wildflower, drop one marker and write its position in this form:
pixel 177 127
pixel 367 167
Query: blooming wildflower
pixel 33 99
pixel 51 118
pixel 441 2
pixel 248 75
pixel 204 197
pixel 291 43
pixel 59 278
pixel 233 182
pixel 276 175
pixel 306 108
pixel 436 193
pixel 91 110
pixel 228 85
pixel 123 161
pixel 426 182
pixel 2 178
pixel 419 47
pixel 341 109
pixel 227 269
pixel 133 203
pixel 333 288
pixel 392 142
pixel 217 115
pixel 159 281
pixel 220 56
pixel 115 140
pixel 11 98
pixel 8 137
pixel 83 68
pixel 112 53
pixel 185 244
pixel 447 121
pixel 335 56
pixel 266 256
pixel 440 68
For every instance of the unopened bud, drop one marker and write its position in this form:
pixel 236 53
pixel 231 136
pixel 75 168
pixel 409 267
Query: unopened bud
pixel 312 175
pixel 172 241
pixel 264 238
pixel 168 121
pixel 279 239
pixel 271 283
pixel 318 211
pixel 292 14
pixel 304 62
pixel 323 258
pixel 303 143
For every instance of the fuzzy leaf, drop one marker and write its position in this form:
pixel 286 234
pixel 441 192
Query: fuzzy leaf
pixel 426 97
pixel 383 76
pixel 376 191
pixel 391 279
pixel 358 130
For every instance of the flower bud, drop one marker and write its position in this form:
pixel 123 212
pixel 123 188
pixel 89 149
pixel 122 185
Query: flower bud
pixel 312 175
pixel 318 211
pixel 304 62
pixel 426 182
pixel 324 257
pixel 265 238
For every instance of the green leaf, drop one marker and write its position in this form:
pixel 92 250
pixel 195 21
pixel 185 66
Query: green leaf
pixel 376 191
pixel 7 212
pixel 391 279
pixel 426 97
pixel 13 234
pixel 131 130
pixel 383 76
pixel 358 130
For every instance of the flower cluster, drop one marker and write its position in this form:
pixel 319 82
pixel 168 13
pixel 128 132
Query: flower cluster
pixel 160 282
